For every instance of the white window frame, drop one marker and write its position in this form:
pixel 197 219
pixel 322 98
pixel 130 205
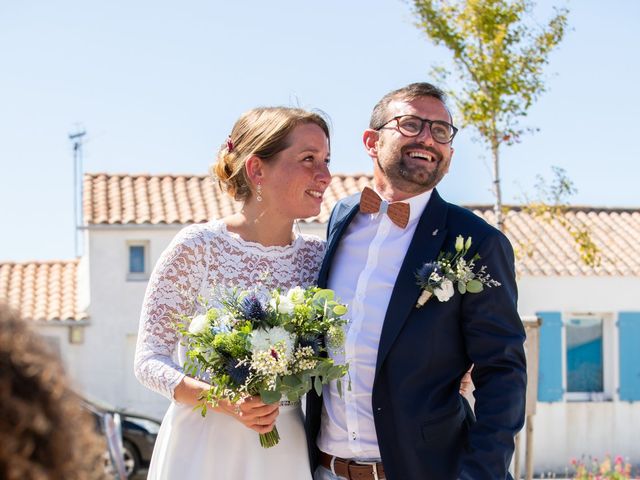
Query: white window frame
pixel 138 276
pixel 609 357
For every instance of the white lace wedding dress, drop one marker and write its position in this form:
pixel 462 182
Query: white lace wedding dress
pixel 216 447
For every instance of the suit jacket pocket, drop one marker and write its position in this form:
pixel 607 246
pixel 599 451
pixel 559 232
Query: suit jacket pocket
pixel 442 430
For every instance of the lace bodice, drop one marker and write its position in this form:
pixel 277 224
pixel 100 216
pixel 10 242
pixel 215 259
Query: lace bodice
pixel 200 257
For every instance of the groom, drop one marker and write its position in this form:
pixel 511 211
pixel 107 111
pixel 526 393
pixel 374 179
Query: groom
pixel 403 417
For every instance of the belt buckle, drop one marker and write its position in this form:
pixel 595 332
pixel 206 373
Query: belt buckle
pixel 373 468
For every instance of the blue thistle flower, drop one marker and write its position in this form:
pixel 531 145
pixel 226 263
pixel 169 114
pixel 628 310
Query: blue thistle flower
pixel 312 341
pixel 425 271
pixel 238 373
pixel 252 309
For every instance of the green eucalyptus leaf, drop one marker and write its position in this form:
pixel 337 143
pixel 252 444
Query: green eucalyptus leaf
pixel 317 385
pixel 474 286
pixel 324 294
pixel 339 310
pixel 270 396
pixel 291 380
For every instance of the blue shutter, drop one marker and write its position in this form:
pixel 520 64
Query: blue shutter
pixel 629 344
pixel 550 357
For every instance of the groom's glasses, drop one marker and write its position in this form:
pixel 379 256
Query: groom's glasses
pixel 412 126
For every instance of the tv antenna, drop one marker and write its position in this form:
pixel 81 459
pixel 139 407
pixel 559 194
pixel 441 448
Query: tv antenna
pixel 77 138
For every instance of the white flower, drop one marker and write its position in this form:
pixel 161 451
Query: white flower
pixel 264 340
pixel 445 291
pixel 282 305
pixel 459 243
pixel 296 295
pixel 198 324
pixel 434 277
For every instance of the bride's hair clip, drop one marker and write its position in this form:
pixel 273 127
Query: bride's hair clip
pixel 229 144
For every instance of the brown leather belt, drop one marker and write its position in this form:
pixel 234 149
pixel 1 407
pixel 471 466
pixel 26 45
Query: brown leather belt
pixel 352 469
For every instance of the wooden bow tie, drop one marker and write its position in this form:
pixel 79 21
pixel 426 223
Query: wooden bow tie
pixel 398 212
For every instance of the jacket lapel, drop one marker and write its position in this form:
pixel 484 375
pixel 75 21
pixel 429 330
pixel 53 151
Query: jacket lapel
pixel 345 211
pixel 424 247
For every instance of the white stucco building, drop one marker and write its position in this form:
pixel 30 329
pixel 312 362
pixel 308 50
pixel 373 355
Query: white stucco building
pixel 589 388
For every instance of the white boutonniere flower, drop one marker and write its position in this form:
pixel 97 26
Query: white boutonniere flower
pixel 445 291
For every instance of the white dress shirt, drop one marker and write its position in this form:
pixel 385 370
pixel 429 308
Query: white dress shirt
pixel 363 273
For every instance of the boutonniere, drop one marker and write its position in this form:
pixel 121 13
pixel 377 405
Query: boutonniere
pixel 452 270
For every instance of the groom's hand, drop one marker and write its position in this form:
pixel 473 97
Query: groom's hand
pixel 252 413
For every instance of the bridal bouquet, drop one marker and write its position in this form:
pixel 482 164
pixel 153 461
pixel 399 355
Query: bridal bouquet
pixel 451 270
pixel 268 345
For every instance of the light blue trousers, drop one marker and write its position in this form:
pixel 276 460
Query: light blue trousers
pixel 322 473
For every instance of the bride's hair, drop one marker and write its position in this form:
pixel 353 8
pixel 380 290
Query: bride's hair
pixel 263 132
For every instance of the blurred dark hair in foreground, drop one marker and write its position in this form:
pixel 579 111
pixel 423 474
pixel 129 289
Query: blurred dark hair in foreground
pixel 44 432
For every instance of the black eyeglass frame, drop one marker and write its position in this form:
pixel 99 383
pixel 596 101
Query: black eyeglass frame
pixel 423 122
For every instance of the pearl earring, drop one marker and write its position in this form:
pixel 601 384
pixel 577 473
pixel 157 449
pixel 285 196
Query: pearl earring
pixel 259 192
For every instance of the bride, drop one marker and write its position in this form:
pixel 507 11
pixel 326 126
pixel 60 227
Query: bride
pixel 276 162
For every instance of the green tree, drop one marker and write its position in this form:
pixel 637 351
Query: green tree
pixel 552 205
pixel 499 52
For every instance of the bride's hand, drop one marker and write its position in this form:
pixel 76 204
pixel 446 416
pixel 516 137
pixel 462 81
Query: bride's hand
pixel 252 413
pixel 466 384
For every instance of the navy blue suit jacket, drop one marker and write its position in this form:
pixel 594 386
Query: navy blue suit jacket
pixel 423 432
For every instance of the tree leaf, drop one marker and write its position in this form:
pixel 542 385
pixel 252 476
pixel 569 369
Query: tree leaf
pixel 499 51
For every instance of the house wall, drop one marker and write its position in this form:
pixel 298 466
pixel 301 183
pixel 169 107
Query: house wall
pixel 578 294
pixel 573 430
pixel 569 429
pixel 106 369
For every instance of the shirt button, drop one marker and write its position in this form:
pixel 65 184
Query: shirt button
pixel 353 435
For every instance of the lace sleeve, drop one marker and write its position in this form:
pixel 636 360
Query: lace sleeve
pixel 173 288
pixel 313 253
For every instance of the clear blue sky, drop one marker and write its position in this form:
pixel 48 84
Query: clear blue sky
pixel 157 85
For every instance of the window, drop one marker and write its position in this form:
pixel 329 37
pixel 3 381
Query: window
pixel 136 259
pixel 138 268
pixel 584 355
pixel 588 360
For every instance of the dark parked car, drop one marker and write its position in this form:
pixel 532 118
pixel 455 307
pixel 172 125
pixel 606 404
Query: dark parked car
pixel 139 434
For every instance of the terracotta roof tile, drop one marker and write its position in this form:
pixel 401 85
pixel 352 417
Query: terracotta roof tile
pixel 544 248
pixel 41 290
pixel 167 199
